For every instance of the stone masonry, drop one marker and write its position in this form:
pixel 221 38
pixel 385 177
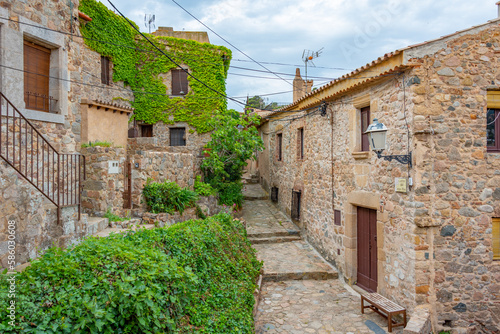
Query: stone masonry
pixel 434 240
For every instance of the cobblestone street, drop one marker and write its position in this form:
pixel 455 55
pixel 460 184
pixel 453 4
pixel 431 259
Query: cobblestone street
pixel 301 292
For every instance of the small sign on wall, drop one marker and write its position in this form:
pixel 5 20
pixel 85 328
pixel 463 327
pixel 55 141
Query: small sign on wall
pixel 113 167
pixel 400 184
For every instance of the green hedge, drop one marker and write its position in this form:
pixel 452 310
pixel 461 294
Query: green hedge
pixel 168 197
pixel 194 277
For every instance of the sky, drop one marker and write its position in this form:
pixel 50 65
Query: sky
pixel 275 33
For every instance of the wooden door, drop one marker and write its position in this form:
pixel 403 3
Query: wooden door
pixel 367 249
pixel 127 194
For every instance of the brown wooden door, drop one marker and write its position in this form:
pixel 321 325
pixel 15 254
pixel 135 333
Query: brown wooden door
pixel 367 249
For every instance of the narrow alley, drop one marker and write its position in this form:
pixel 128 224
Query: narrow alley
pixel 301 292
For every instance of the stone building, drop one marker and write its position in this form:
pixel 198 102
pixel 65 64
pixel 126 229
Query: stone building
pixel 57 94
pixel 426 234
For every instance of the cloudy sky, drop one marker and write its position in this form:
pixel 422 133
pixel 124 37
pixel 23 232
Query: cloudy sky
pixel 275 33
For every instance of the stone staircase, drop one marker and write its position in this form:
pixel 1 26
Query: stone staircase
pixel 279 244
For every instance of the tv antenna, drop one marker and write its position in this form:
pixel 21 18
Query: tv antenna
pixel 308 56
pixel 149 20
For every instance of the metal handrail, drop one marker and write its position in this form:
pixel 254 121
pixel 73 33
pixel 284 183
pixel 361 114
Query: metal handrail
pixel 58 176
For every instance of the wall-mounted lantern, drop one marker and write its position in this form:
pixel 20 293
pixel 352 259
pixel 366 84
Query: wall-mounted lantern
pixel 377 136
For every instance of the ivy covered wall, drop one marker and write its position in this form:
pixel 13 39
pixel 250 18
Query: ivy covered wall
pixel 140 66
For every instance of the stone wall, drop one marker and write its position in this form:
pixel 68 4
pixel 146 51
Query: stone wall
pixel 159 163
pixel 35 217
pixel 434 240
pixel 104 187
pixel 457 180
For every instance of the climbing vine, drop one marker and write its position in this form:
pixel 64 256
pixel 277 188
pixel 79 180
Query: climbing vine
pixel 142 68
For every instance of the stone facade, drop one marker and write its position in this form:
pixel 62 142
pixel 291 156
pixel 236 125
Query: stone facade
pixel 433 241
pixel 104 187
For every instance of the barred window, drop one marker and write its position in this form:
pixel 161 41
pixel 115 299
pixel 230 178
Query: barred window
pixel 177 136
pixel 105 73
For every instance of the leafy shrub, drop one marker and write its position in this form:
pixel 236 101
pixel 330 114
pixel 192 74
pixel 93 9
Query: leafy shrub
pixel 231 193
pixel 194 277
pixel 114 218
pixel 168 197
pixel 202 188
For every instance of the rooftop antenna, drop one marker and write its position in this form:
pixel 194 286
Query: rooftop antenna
pixel 149 20
pixel 308 56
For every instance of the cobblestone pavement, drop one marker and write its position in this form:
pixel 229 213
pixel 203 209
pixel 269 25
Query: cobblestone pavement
pixel 264 219
pixel 293 260
pixel 314 306
pixel 254 191
pixel 300 290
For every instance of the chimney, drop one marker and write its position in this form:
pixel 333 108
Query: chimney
pixel 300 87
pixel 498 4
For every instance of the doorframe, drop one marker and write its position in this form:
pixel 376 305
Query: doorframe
pixel 371 201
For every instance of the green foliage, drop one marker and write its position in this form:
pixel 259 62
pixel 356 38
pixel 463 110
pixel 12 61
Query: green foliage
pixel 230 147
pixel 262 103
pixel 194 277
pixel 231 194
pixel 97 143
pixel 114 218
pixel 168 197
pixel 142 70
pixel 202 188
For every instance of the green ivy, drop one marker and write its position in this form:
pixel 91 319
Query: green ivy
pixel 194 277
pixel 142 70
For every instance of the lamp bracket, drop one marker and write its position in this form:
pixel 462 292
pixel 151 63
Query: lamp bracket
pixel 404 159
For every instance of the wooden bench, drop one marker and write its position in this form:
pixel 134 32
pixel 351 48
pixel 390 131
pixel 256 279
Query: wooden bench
pixel 384 307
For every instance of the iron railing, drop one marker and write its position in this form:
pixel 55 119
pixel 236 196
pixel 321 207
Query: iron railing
pixel 40 102
pixel 56 175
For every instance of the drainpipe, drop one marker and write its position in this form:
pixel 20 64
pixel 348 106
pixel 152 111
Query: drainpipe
pixel 498 4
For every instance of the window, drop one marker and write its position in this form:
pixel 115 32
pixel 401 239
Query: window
pixel 300 144
pixel 179 82
pixel 365 121
pixel 295 204
pixel 337 217
pixel 496 238
pixel 493 130
pixel 274 194
pixel 36 77
pixel 279 145
pixel 105 73
pixel 146 130
pixel 177 136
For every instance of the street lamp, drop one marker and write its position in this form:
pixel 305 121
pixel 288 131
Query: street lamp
pixel 377 137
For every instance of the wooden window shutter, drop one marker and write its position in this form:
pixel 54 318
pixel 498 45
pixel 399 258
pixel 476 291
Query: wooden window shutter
pixel 36 76
pixel 496 238
pixel 365 121
pixel 180 84
pixel 105 75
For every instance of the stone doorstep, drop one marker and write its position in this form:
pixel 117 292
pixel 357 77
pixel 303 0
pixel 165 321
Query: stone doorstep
pixel 311 275
pixel 274 239
pixel 285 233
pixel 255 198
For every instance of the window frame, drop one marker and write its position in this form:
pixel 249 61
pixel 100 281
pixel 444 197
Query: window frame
pixel 179 83
pixel 495 148
pixel 365 145
pixel 300 143
pixel 32 79
pixel 184 139
pixel 279 147
pixel 495 238
pixel 105 71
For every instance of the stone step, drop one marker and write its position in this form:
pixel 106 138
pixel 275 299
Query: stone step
pixel 274 239
pixel 109 230
pixel 273 234
pixel 96 224
pixel 294 260
pixel 261 197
